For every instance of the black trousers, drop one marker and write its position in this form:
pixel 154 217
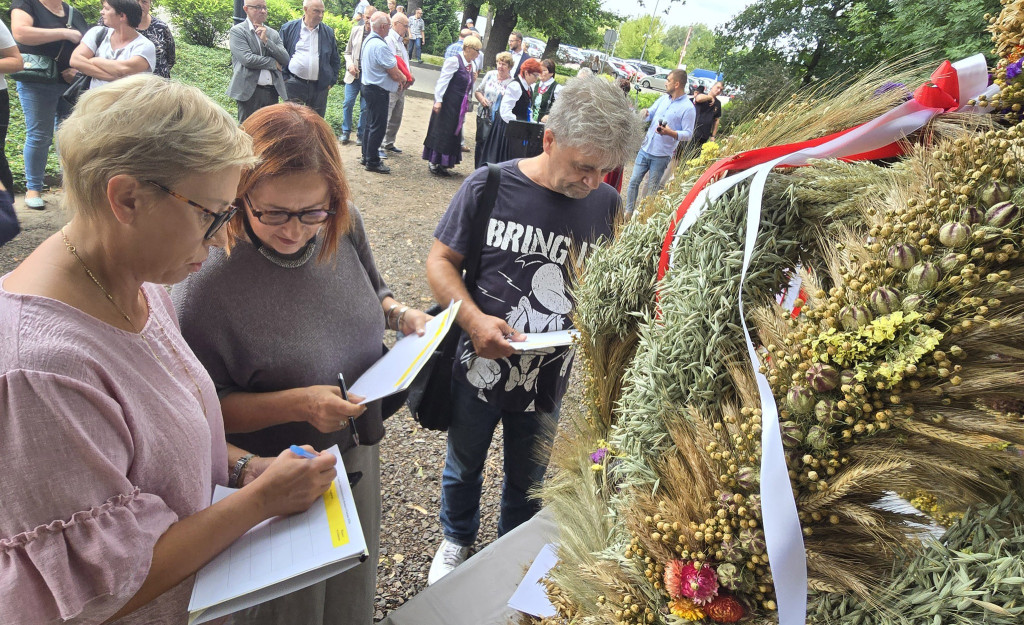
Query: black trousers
pixel 306 92
pixel 376 121
pixel 5 118
pixel 262 96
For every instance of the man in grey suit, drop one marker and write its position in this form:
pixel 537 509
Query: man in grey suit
pixel 257 56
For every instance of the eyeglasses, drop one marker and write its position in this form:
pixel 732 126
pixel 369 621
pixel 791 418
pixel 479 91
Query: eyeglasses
pixel 254 7
pixel 219 219
pixel 280 218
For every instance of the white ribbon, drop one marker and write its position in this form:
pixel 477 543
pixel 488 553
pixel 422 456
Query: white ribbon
pixel 783 534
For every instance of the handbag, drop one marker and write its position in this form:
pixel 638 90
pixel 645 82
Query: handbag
pixel 39 67
pixel 430 392
pixel 9 227
pixel 81 82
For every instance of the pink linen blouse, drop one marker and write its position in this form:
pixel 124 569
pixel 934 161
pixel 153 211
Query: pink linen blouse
pixel 103 445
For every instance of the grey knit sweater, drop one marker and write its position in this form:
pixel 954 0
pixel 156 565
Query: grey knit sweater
pixel 259 327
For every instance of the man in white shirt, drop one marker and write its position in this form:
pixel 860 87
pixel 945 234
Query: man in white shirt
pixel 257 57
pixel 518 50
pixel 315 62
pixel 396 99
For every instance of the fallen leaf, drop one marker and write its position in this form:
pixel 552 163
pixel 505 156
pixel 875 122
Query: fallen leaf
pixel 399 558
pixel 419 509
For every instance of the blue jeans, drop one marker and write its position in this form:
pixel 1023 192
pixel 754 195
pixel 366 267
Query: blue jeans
pixel 44 109
pixel 351 91
pixel 414 49
pixel 645 163
pixel 528 437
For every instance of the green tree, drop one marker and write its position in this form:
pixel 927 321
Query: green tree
pixel 637 32
pixel 441 24
pixel 700 50
pixel 815 38
pixel 952 30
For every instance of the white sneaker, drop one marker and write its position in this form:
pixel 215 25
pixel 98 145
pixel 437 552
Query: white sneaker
pixel 448 556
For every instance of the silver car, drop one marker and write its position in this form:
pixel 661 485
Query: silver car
pixel 656 82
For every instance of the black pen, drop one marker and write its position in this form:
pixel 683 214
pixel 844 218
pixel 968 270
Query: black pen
pixel 344 395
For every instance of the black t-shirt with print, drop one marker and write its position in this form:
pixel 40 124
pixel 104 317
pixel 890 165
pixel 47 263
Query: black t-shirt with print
pixel 44 18
pixel 524 278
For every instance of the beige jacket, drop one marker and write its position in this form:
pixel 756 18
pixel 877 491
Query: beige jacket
pixel 353 52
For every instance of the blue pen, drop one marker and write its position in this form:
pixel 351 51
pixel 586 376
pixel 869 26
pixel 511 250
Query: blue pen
pixel 344 395
pixel 298 451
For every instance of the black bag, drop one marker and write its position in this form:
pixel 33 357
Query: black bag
pixel 430 393
pixel 78 86
pixel 9 227
pixel 81 82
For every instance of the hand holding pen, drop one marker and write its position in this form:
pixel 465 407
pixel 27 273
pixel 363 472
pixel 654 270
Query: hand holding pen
pixel 327 410
pixel 344 396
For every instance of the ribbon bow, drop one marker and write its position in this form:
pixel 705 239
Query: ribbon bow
pixel 942 91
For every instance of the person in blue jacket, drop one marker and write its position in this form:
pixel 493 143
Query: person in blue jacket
pixel 314 63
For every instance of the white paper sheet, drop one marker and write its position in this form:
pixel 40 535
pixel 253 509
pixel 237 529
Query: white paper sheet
pixel 281 555
pixel 531 596
pixel 544 340
pixel 396 370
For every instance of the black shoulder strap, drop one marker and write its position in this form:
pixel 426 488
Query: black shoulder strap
pixel 471 263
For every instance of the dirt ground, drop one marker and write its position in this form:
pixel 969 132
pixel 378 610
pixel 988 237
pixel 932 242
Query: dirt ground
pixel 400 211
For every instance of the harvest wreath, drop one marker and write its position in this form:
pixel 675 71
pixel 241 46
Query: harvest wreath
pixel 702 488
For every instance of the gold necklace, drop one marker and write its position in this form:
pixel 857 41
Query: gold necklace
pixel 167 339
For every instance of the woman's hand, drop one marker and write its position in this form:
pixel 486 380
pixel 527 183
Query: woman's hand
pixel 72 35
pixel 291 484
pixel 327 411
pixel 437 107
pixel 413 321
pixel 69 75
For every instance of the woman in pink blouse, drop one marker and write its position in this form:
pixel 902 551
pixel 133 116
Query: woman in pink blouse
pixel 110 430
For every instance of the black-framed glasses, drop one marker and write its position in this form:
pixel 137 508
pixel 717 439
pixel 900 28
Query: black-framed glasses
pixel 279 218
pixel 219 219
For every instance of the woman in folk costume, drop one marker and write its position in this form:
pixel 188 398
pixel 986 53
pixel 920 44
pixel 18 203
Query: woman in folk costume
pixel 442 148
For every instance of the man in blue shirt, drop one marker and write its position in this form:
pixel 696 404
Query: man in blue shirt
pixel 671 118
pixel 380 78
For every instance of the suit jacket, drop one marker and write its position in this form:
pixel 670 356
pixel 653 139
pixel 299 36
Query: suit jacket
pixel 330 60
pixel 354 52
pixel 249 56
pixel 522 59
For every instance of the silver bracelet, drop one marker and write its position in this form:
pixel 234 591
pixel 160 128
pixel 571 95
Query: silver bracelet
pixel 236 471
pixel 401 314
pixel 387 315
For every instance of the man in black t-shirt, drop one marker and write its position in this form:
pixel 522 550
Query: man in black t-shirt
pixel 709 112
pixel 550 211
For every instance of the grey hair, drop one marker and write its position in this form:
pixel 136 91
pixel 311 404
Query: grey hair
pixel 379 18
pixel 590 115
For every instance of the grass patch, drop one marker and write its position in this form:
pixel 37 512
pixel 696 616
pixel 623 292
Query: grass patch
pixel 209 69
pixel 430 59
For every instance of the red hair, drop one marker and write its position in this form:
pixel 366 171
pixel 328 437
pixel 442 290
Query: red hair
pixel 530 66
pixel 291 139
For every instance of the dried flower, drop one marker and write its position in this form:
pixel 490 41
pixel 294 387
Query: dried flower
pixel 725 609
pixel 686 610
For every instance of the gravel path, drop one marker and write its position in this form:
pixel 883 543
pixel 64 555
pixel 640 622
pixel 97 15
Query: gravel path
pixel 400 211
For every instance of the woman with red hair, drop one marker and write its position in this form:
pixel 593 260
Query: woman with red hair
pixel 516 103
pixel 298 300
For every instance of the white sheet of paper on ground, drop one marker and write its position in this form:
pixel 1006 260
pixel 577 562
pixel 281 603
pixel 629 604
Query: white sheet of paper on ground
pixel 281 555
pixel 396 370
pixel 542 340
pixel 531 596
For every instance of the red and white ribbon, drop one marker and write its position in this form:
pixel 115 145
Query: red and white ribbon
pixel 949 89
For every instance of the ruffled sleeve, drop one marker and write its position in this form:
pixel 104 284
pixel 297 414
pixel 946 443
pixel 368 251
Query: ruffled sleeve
pixel 76 536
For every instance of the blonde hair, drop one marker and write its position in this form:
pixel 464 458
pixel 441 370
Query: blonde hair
pixel 147 127
pixel 504 57
pixel 473 42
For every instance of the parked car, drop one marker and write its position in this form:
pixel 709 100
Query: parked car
pixel 626 70
pixel 644 67
pixel 657 81
pixel 534 47
pixel 569 54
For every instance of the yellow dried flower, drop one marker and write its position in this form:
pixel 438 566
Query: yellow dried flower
pixel 686 609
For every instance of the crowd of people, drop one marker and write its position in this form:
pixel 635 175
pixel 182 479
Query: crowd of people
pixel 124 404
